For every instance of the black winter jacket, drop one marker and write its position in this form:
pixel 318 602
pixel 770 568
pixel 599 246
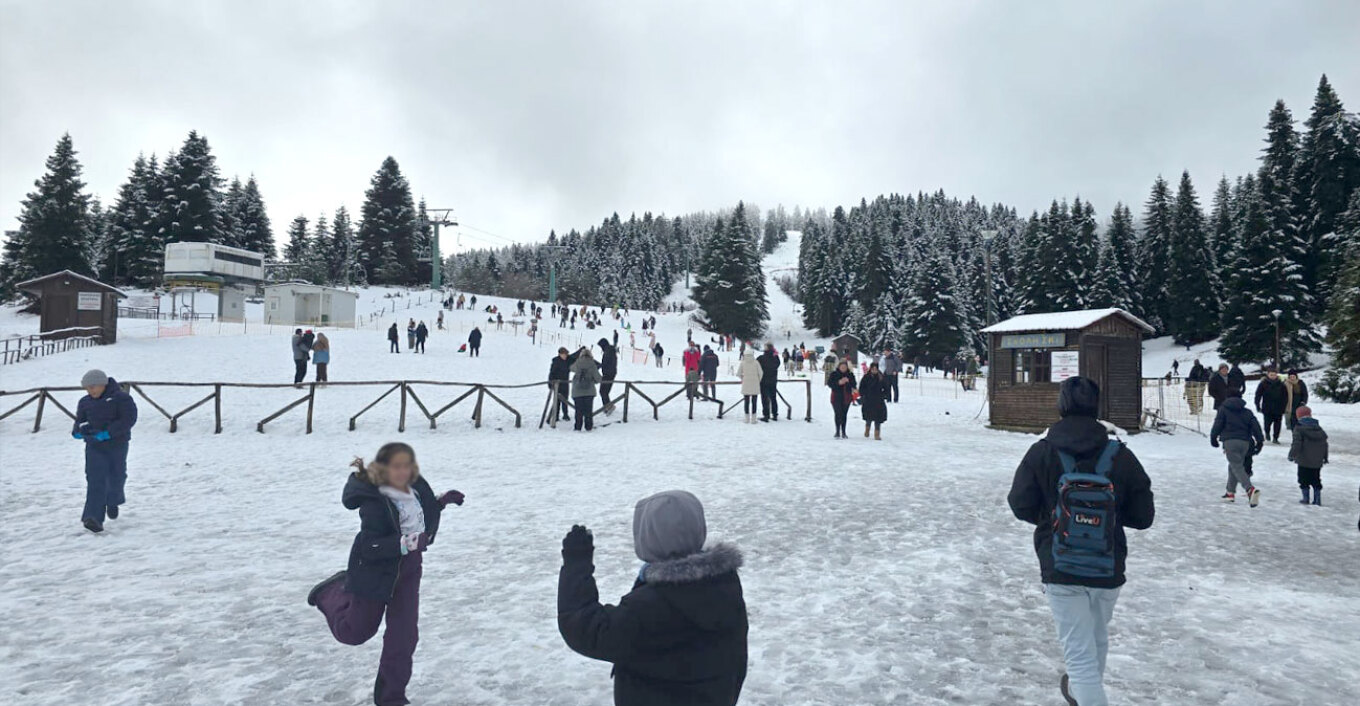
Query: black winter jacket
pixel 1034 493
pixel 1218 389
pixel 840 394
pixel 560 369
pixel 1235 421
pixel 678 639
pixel 873 397
pixel 1272 396
pixel 609 359
pixel 375 555
pixel 1309 448
pixel 1237 382
pixel 708 365
pixel 114 412
pixel 769 366
pixel 475 338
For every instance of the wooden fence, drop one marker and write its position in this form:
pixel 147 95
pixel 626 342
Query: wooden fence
pixel 43 396
pixel 18 348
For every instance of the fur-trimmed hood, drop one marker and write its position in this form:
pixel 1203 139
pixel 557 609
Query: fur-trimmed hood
pixel 712 562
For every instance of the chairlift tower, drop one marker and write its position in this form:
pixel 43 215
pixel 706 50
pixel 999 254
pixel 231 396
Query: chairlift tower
pixel 437 217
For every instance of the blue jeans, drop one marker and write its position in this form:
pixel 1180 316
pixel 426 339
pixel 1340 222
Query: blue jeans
pixel 105 476
pixel 1082 616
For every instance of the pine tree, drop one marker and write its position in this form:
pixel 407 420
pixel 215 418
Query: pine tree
pixel 1343 315
pixel 251 221
pixel 934 323
pixel 1192 283
pixel 295 253
pixel 54 225
pixel 191 203
pixel 99 246
pixel 319 252
pixel 730 285
pixel 1222 242
pixel 1328 171
pixel 341 260
pixel 1155 255
pixel 387 233
pixel 1116 277
pixel 231 205
pixel 138 252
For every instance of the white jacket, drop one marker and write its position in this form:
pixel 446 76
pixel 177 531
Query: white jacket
pixel 750 372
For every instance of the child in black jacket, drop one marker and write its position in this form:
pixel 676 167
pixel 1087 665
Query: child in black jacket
pixel 398 519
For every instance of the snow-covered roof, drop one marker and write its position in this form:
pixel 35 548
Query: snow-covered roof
pixel 308 287
pixel 1062 321
pixel 30 285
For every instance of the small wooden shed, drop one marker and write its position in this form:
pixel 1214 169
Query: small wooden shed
pixel 846 347
pixel 69 302
pixel 1032 354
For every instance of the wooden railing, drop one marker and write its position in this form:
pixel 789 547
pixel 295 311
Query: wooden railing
pixel 20 348
pixel 44 395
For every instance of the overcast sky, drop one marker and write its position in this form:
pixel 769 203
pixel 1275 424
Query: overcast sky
pixel 526 116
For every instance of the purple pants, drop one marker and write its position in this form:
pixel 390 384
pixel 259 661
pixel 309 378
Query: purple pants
pixel 354 619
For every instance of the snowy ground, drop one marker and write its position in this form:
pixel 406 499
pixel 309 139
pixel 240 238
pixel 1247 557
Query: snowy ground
pixel 877 572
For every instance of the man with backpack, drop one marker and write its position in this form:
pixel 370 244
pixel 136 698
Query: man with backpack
pixel 1080 489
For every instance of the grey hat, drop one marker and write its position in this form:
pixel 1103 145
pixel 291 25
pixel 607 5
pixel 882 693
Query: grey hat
pixel 94 377
pixel 668 525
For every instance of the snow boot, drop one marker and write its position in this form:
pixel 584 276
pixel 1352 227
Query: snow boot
pixel 1062 684
pixel 1305 499
pixel 92 525
pixel 878 433
pixel 112 512
pixel 866 429
pixel 317 589
pixel 1317 496
pixel 1254 496
pixel 1228 498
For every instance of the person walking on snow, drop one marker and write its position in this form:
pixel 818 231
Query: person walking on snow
pixel 398 519
pixel 1298 397
pixel 1237 382
pixel 422 332
pixel 411 335
pixel 842 384
pixel 559 377
pixel 749 372
pixel 769 380
pixel 874 392
pixel 679 637
pixel 1309 451
pixel 1082 603
pixel 321 357
pixel 1272 400
pixel 1241 435
pixel 475 342
pixel 658 351
pixel 691 359
pixel 300 349
pixel 1218 386
pixel 892 368
pixel 392 337
pixel 609 369
pixel 104 420
pixel 708 372
pixel 585 376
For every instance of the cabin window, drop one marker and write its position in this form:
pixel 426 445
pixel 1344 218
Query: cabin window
pixel 1032 366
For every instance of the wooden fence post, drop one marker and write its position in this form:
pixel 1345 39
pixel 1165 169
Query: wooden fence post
pixel 42 401
pixel 401 424
pixel 627 388
pixel 477 413
pixel 217 408
pixel 809 400
pixel 311 402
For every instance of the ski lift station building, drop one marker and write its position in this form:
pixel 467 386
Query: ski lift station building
pixel 230 273
pixel 1032 354
pixel 302 304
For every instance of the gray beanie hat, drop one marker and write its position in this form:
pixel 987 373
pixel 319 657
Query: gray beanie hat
pixel 668 525
pixel 94 377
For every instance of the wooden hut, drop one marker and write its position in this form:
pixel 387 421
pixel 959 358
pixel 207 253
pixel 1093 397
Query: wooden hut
pixel 1032 354
pixel 846 347
pixel 69 302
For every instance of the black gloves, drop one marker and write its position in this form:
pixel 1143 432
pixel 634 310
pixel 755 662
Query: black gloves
pixel 578 544
pixel 1213 443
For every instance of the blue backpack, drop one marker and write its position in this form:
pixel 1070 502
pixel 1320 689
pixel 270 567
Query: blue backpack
pixel 1084 518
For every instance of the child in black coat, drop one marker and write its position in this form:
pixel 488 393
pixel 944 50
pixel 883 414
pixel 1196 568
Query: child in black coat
pixel 398 520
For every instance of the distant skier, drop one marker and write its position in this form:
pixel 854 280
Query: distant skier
pixel 873 401
pixel 1082 584
pixel 104 420
pixel 609 368
pixel 1242 438
pixel 393 337
pixel 398 520
pixel 679 637
pixel 321 357
pixel 585 376
pixel 749 372
pixel 1272 401
pixel 769 379
pixel 422 332
pixel 475 342
pixel 299 357
pixel 842 383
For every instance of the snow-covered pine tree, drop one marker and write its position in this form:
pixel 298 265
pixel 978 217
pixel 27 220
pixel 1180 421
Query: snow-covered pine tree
pixel 340 259
pixel 423 243
pixel 1341 382
pixel 1192 283
pixel 295 253
pixel 934 325
pixel 318 252
pixel 252 222
pixel 231 204
pixel 1116 278
pixel 387 231
pixel 730 285
pixel 139 254
pixel 99 247
pixel 54 225
pixel 192 201
pixel 1038 273
pixel 1221 228
pixel 1327 172
pixel 1154 255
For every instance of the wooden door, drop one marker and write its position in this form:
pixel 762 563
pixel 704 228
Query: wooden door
pixel 1096 356
pixel 57 312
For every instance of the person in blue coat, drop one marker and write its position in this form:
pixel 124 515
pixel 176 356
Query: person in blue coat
pixel 104 420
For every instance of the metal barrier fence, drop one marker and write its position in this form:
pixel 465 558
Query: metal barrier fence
pixel 19 348
pixel 501 395
pixel 1177 403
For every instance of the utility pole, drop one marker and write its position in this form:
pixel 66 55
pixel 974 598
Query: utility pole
pixel 987 237
pixel 552 251
pixel 436 217
pixel 1276 313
